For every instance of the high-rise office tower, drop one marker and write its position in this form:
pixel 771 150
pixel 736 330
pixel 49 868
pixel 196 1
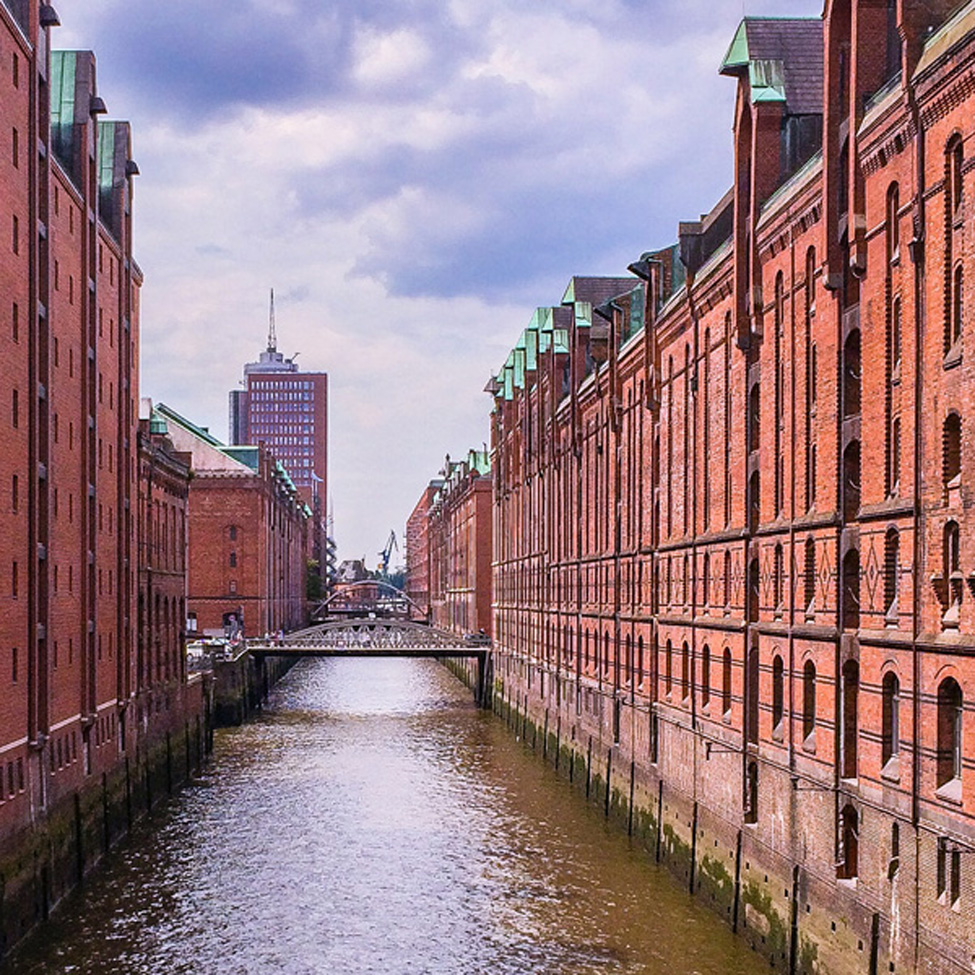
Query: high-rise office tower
pixel 287 410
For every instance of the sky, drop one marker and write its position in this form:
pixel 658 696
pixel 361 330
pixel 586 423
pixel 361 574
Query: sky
pixel 413 178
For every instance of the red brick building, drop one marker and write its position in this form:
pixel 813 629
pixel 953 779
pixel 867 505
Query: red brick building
pixel 458 534
pixel 418 552
pixel 732 506
pixel 248 534
pixel 164 483
pixel 77 714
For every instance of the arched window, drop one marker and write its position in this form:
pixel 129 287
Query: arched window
pixel 890 717
pixel 951 454
pixel 706 676
pixel 950 709
pixel 849 724
pixel 892 225
pixel 849 832
pixel 668 668
pixel 954 187
pixel 808 702
pixel 639 657
pixel 778 694
pixel 726 684
pixel 891 573
pixel 953 582
pixel 685 672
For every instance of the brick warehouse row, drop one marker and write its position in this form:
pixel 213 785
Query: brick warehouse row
pixel 732 506
pixel 99 716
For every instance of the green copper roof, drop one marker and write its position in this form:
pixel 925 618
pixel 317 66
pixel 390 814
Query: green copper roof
pixel 767 79
pixel 531 349
pixel 244 455
pixel 737 56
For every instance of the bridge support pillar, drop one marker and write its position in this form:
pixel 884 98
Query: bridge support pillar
pixel 483 680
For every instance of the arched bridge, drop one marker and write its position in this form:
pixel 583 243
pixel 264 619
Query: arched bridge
pixel 378 638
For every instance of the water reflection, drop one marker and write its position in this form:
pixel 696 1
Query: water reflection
pixel 374 821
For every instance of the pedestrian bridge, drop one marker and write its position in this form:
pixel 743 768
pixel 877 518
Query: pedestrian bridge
pixel 363 637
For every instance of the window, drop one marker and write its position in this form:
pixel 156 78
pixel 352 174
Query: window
pixel 233 560
pixel 849 703
pixel 951 454
pixel 952 582
pixel 668 668
pixel 14 493
pixel 808 703
pixel 847 861
pixel 851 590
pixel 851 374
pixel 706 581
pixel 957 302
pixel 891 572
pixel 950 709
pixel 15 409
pixel 727 580
pixel 706 676
pixel 726 684
pixel 778 695
pixel 892 227
pixel 779 580
pixel 15 235
pixel 890 720
pixel 949 874
pixel 809 576
pixel 954 187
pixel 685 672
pixel 15 148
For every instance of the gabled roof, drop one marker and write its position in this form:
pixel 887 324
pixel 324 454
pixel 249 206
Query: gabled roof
pixel 784 61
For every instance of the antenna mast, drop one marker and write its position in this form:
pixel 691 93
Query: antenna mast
pixel 272 335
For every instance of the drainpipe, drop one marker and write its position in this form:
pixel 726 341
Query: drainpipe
pixel 917 258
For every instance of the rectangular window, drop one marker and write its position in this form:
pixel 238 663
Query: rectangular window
pixel 15 149
pixel 14 580
pixel 15 321
pixel 13 665
pixel 15 234
pixel 15 409
pixel 14 493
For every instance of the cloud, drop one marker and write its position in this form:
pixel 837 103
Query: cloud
pixel 412 177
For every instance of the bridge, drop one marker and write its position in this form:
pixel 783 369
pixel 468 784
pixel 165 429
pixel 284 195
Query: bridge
pixel 364 637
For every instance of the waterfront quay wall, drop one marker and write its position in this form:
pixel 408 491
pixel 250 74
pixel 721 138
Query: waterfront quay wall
pixel 43 861
pixel 678 798
pixel 242 683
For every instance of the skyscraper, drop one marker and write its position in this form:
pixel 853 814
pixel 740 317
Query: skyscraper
pixel 287 410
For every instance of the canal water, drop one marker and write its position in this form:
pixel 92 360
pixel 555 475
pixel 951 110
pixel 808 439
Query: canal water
pixel 373 820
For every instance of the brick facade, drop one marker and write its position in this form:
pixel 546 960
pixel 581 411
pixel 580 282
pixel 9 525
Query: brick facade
pixel 74 710
pixel 248 534
pixel 731 504
pixel 449 546
pixel 418 553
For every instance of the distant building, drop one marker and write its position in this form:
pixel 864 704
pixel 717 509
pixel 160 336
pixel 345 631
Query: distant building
pixel 449 547
pixel 248 535
pixel 418 551
pixel 287 410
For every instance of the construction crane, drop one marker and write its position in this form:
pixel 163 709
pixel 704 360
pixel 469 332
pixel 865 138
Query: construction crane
pixel 387 552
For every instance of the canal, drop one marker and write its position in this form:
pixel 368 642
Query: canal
pixel 373 820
